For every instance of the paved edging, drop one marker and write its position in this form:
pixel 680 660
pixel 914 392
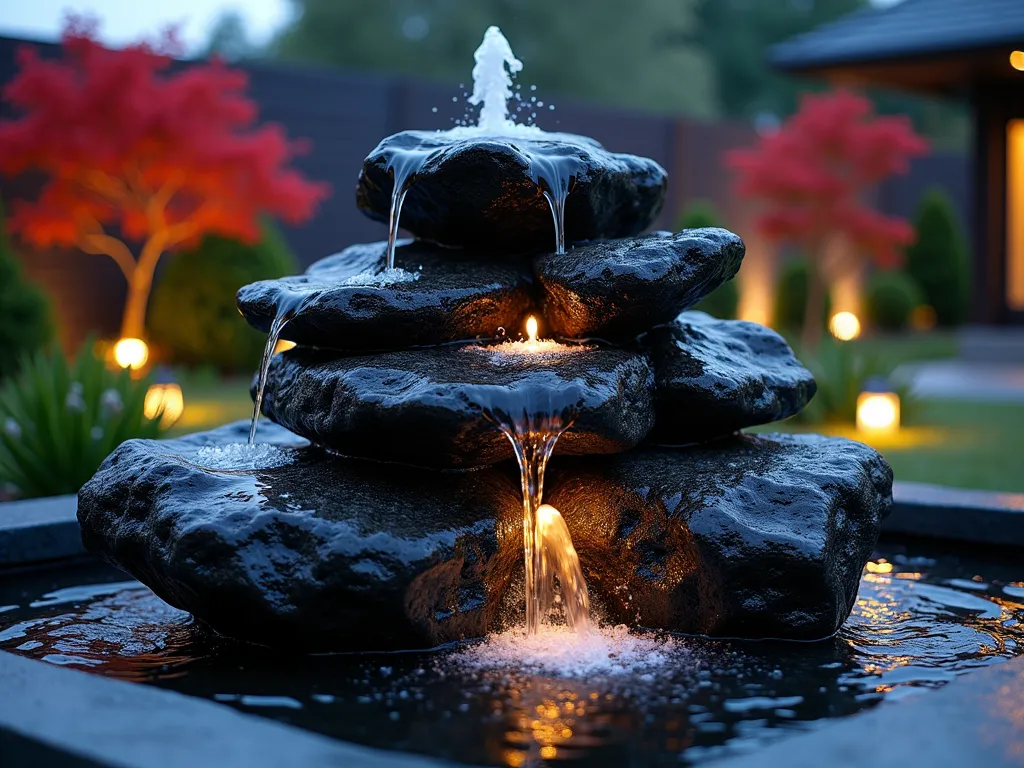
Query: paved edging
pixel 980 517
pixel 140 726
pixel 976 720
pixel 39 529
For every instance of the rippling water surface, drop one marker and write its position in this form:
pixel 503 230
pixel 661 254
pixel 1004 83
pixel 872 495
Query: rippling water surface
pixel 921 619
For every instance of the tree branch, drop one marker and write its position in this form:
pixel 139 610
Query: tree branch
pixel 103 244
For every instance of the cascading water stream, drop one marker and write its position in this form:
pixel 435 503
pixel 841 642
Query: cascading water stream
pixel 555 179
pixel 403 166
pixel 273 336
pixel 547 546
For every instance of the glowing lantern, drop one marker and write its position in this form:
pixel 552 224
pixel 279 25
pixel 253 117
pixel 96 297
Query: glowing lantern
pixel 1017 60
pixel 283 345
pixel 880 567
pixel 845 326
pixel 164 401
pixel 878 411
pixel 131 353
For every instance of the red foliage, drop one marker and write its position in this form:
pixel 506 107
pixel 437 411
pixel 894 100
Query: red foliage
pixel 813 174
pixel 161 153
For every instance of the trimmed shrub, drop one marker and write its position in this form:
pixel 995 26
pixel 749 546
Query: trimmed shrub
pixel 890 299
pixel 697 214
pixel 791 296
pixel 938 260
pixel 724 300
pixel 193 318
pixel 721 302
pixel 26 324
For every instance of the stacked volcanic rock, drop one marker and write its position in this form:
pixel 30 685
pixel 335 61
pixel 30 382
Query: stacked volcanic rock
pixel 375 536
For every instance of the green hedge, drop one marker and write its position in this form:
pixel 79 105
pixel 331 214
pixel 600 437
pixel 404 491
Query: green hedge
pixel 724 300
pixel 791 296
pixel 193 319
pixel 26 323
pixel 938 261
pixel 890 299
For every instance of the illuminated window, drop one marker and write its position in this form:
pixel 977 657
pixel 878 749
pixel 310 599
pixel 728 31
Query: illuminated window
pixel 1015 215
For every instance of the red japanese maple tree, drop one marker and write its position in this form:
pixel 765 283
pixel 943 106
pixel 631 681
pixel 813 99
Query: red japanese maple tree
pixel 812 177
pixel 137 152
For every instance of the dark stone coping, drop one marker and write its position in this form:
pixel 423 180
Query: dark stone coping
pixel 111 722
pixel 47 529
pixel 935 511
pixel 977 719
pixel 39 529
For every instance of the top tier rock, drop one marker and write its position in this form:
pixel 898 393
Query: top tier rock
pixel 503 186
pixel 484 191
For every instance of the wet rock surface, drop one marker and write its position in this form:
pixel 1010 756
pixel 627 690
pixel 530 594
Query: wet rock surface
pixel 618 289
pixel 483 191
pixel 430 406
pixel 445 295
pixel 714 377
pixel 750 537
pixel 321 553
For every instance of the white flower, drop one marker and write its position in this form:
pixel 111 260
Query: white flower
pixel 74 402
pixel 111 403
pixel 12 428
pixel 96 433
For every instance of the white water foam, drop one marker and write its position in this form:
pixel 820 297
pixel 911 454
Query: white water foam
pixel 242 456
pixel 558 651
pixel 517 352
pixel 381 279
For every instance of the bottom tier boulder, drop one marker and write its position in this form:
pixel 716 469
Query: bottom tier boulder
pixel 752 536
pixel 290 545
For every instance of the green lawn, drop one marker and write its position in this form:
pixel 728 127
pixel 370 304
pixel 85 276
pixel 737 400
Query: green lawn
pixel 949 442
pixel 210 400
pixel 909 347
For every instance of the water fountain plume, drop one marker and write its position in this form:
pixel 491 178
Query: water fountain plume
pixel 492 84
pixel 495 66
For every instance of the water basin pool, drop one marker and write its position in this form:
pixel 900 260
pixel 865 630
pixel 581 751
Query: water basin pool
pixel 922 618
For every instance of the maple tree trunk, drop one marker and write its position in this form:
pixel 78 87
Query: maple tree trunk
pixel 133 322
pixel 814 309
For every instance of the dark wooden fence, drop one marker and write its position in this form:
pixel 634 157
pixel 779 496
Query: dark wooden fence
pixel 345 114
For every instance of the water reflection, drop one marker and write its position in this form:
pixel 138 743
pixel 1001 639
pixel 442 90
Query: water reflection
pixel 917 624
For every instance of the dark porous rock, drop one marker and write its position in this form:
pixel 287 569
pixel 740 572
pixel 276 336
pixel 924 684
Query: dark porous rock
pixel 454 296
pixel 430 406
pixel 484 192
pixel 715 376
pixel 319 553
pixel 617 289
pixel 754 537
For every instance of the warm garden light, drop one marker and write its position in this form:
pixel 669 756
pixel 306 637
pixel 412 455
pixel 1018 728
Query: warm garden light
pixel 845 326
pixel 164 401
pixel 878 412
pixel 1017 60
pixel 131 353
pixel 531 328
